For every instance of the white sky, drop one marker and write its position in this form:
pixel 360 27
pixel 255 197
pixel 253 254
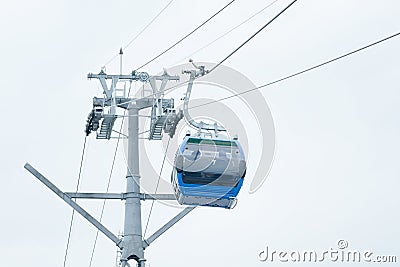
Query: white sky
pixel 336 172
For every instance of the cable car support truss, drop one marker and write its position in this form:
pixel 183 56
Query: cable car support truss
pixel 101 120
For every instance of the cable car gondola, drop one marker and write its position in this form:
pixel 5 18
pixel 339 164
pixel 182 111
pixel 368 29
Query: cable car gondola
pixel 208 172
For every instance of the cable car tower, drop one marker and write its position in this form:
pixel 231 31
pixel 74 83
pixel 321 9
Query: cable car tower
pixel 164 118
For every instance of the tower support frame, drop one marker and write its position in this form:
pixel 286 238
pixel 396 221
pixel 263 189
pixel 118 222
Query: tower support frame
pixel 132 243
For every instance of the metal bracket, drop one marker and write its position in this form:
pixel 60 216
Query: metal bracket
pixel 102 76
pixel 68 196
pixel 194 74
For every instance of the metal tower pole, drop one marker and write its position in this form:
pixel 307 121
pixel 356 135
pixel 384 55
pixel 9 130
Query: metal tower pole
pixel 133 240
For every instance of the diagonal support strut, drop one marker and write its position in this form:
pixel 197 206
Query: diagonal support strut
pixel 166 226
pixel 74 205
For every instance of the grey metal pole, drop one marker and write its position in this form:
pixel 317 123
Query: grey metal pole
pixel 133 240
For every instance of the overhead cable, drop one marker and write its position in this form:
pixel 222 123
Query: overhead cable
pixel 186 36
